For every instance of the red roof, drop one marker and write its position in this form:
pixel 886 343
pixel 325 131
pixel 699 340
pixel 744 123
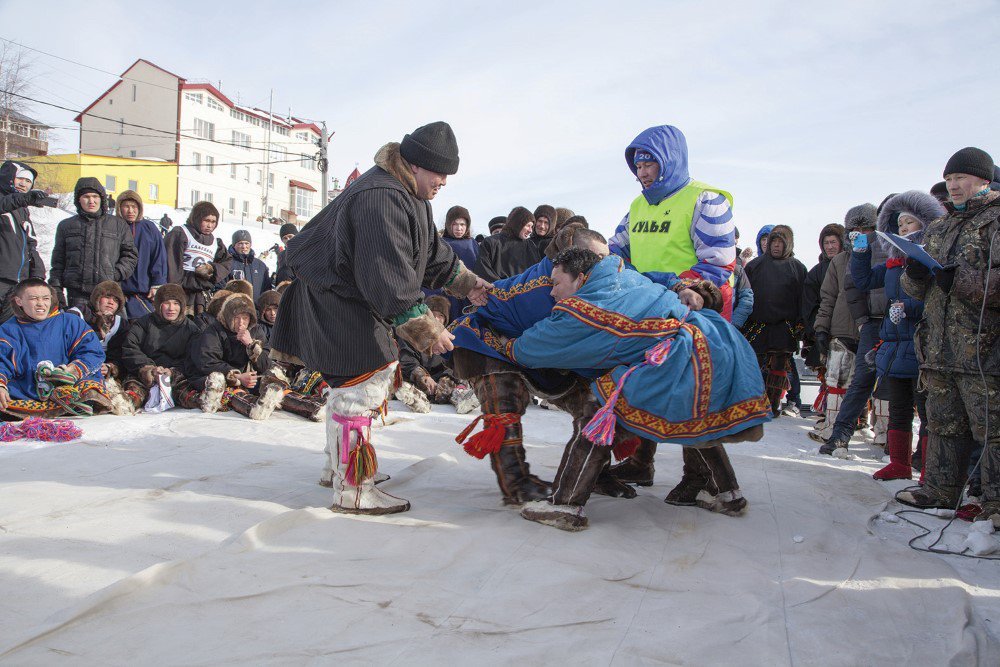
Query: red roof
pixel 307 126
pixel 299 184
pixel 180 80
pixel 210 88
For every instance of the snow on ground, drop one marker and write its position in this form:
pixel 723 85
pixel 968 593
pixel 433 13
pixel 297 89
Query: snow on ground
pixel 46 219
pixel 185 538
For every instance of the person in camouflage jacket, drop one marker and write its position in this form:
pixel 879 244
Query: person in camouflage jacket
pixel 958 340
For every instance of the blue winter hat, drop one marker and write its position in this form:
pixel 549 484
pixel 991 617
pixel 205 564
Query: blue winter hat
pixel 642 156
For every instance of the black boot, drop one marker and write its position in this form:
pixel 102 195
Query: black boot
pixel 709 468
pixel 514 476
pixel 695 479
pixel 637 469
pixel 609 485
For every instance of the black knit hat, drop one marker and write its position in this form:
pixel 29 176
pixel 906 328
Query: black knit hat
pixel 972 161
pixel 287 228
pixel 241 235
pixel 497 223
pixel 432 147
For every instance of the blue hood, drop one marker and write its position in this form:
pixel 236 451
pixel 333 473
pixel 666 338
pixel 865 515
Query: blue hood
pixel 669 148
pixel 764 231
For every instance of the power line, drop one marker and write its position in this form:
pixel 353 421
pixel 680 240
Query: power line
pixel 172 133
pixel 161 164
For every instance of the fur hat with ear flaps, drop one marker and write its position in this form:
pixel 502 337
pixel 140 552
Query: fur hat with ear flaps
pixel 783 232
pixel 107 288
pixel 215 305
pixel 239 286
pixel 269 298
pixel 170 292
pixel 237 304
pixel 439 304
pixel 516 220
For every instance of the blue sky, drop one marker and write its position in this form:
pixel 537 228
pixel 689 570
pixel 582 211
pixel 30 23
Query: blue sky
pixel 801 110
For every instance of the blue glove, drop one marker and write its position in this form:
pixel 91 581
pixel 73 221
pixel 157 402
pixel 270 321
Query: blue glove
pixel 860 242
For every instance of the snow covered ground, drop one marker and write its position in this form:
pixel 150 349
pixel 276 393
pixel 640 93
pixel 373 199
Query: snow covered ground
pixel 185 538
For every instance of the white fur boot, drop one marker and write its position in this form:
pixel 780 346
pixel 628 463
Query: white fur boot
pixel 350 456
pixel 881 426
pixel 464 399
pixel 120 405
pixel 211 396
pixel 268 402
pixel 413 398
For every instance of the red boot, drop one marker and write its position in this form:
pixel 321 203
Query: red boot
pixel 899 444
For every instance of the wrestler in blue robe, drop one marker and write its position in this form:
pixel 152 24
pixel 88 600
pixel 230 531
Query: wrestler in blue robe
pixel 708 387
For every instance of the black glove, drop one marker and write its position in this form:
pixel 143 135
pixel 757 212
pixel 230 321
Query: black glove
pixel 36 197
pixel 945 277
pixel 822 343
pixel 916 271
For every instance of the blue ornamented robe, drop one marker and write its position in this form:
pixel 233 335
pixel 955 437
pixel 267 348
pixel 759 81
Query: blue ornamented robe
pixel 708 387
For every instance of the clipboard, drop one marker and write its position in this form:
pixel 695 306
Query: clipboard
pixel 912 250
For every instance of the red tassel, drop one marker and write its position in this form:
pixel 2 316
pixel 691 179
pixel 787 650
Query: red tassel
pixel 625 448
pixel 489 440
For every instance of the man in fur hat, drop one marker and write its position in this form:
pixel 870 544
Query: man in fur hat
pixel 157 345
pixel 196 260
pixel 50 361
pixel 361 263
pixel 90 247
pixel 19 258
pixel 958 343
pixel 510 251
pixel 106 317
pixel 775 326
pixel 151 267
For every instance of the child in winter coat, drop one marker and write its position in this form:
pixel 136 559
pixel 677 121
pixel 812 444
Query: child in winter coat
pixel 895 358
pixel 156 345
pixel 50 361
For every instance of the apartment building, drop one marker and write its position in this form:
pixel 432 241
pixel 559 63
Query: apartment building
pixel 249 163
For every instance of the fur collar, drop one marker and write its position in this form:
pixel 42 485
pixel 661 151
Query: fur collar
pixel 389 159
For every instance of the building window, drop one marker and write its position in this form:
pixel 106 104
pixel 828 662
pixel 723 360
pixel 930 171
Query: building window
pixel 195 197
pixel 232 171
pixel 196 160
pixel 133 186
pixel 270 181
pixel 260 176
pixel 110 183
pixel 241 139
pixel 232 205
pixel 210 164
pixel 121 126
pixel 211 103
pixel 208 197
pixel 307 162
pixel 154 191
pixel 246 174
pixel 134 91
pixel 193 97
pixel 131 153
pixel 246 208
pixel 303 136
pixel 204 129
pixel 302 202
pixel 270 211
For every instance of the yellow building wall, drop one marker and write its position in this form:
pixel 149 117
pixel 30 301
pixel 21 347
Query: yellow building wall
pixel 59 173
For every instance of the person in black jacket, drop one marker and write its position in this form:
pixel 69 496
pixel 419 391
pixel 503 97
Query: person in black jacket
pixel 196 260
pixel 831 244
pixel 267 313
pixel 19 257
pixel 106 316
pixel 91 247
pixel 284 272
pixel 156 344
pixel 775 325
pixel 545 227
pixel 246 265
pixel 510 251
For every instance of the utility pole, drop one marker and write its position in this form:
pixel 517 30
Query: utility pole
pixel 324 166
pixel 267 157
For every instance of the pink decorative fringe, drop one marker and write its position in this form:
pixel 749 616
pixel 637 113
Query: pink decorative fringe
pixel 37 428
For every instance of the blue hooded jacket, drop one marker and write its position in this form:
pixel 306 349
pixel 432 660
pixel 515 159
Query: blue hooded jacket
pixel 669 149
pixel 764 231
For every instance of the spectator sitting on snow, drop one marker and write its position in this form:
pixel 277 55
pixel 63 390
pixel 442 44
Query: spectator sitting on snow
pixel 91 247
pixel 196 260
pixel 19 257
pixel 247 266
pixel 429 378
pixel 151 268
pixel 50 361
pixel 105 317
pixel 267 313
pixel 157 344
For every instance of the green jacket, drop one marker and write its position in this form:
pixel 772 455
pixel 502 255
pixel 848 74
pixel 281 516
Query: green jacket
pixel 946 339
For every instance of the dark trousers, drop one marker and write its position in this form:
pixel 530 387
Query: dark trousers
pixel 903 397
pixel 862 384
pixel 795 385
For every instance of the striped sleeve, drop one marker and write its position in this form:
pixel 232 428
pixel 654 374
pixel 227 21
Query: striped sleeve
pixel 619 242
pixel 714 235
